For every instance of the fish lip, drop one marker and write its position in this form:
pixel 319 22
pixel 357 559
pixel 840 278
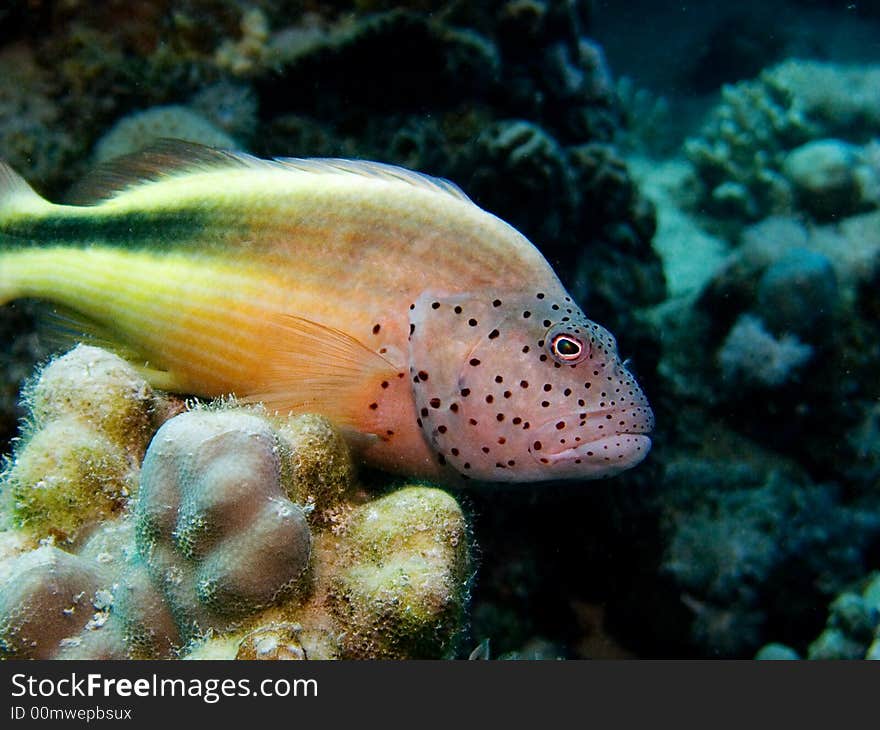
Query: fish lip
pixel 619 451
pixel 592 444
pixel 590 433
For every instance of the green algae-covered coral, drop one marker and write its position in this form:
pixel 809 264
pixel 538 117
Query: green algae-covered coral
pixel 389 581
pixel 407 567
pixel 237 534
pixel 90 418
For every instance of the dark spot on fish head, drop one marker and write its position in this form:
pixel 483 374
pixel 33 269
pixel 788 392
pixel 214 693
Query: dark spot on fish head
pixel 551 376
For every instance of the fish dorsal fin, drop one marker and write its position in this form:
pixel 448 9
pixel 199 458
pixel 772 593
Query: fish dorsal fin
pixel 15 193
pixel 312 367
pixel 160 160
pixel 375 170
pixel 168 158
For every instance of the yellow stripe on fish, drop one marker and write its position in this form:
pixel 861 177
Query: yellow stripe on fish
pixel 382 298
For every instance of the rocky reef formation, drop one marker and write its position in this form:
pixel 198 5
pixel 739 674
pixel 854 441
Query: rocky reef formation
pixel 791 139
pixel 232 534
pixel 768 231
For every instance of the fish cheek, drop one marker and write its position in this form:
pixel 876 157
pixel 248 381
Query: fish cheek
pixel 445 332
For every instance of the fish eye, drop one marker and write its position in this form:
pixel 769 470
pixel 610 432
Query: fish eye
pixel 568 349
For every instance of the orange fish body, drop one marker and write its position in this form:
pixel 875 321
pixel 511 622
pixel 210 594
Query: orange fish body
pixel 360 291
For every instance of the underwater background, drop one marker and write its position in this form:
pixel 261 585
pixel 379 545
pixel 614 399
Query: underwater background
pixel 706 182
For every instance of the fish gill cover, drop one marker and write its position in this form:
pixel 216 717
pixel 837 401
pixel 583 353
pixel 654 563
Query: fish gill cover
pixel 711 200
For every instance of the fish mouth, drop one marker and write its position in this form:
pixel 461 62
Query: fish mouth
pixel 610 453
pixel 589 447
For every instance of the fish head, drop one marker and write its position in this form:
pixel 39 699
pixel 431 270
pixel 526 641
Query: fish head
pixel 513 387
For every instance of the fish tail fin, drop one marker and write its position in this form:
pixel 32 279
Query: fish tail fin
pixel 17 200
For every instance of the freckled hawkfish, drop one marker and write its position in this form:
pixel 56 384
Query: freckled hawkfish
pixel 379 297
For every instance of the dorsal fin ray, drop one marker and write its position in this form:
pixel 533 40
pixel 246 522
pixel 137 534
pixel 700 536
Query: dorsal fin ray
pixel 162 159
pixel 15 193
pixel 170 158
pixel 377 170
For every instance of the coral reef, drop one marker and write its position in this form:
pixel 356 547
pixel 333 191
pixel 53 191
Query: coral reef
pixel 829 178
pixel 210 493
pixel 740 272
pixel 646 123
pixel 753 356
pixel 89 421
pixel 852 630
pixel 59 605
pixel 768 354
pixel 240 534
pixel 781 140
pixel 753 544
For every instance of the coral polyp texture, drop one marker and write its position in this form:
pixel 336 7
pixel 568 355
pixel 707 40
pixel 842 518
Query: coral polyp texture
pixel 211 494
pixel 90 418
pixel 235 534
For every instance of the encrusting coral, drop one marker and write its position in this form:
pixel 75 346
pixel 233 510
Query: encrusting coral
pixel 77 462
pixel 235 534
pixel 211 493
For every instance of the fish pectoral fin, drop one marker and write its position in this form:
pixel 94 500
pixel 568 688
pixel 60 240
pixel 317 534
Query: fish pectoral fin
pixel 359 441
pixel 160 379
pixel 62 328
pixel 314 367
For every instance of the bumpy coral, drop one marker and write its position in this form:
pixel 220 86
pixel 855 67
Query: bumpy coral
pixel 240 535
pixel 391 581
pixel 48 598
pixel 58 605
pixel 210 495
pixel 798 293
pixel 407 569
pixel 852 630
pixel 89 423
pixel 318 471
pixel 827 177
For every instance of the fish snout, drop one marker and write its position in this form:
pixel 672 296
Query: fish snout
pixel 598 443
